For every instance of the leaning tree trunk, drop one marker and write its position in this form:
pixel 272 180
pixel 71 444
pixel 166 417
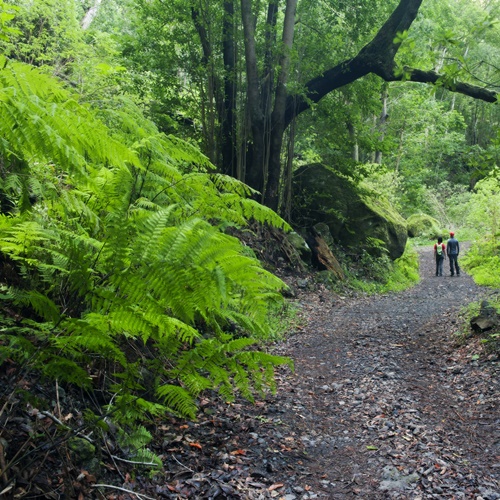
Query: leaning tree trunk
pixel 90 15
pixel 377 57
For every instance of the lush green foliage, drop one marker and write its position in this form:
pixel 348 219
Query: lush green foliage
pixel 113 244
pixel 404 272
pixel 483 226
pixel 116 269
pixel 375 274
pixel 482 261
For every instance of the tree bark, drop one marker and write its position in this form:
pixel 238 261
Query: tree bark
pixel 352 134
pixel 90 15
pixel 381 124
pixel 255 170
pixel 417 75
pixel 278 116
pixel 228 132
pixel 213 93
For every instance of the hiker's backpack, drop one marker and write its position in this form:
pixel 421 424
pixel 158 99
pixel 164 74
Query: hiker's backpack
pixel 439 249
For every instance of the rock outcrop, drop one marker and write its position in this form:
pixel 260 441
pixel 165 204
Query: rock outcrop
pixel 357 217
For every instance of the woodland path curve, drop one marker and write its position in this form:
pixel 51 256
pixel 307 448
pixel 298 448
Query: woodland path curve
pixel 385 403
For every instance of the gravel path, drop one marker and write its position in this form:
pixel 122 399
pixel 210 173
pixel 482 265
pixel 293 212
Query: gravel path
pixel 383 404
pixel 386 404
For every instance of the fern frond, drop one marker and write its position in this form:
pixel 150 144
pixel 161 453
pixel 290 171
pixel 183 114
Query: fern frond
pixel 41 304
pixel 177 400
pixel 63 369
pixel 195 383
pixel 90 335
pixel 228 184
pixel 184 153
pixel 21 237
pixel 36 122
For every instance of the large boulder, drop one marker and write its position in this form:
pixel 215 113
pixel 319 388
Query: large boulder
pixel 423 225
pixel 356 217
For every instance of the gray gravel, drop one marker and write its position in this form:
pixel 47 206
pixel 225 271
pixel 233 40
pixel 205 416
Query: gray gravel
pixel 384 401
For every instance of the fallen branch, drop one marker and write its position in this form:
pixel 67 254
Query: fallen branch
pixel 150 464
pixel 110 486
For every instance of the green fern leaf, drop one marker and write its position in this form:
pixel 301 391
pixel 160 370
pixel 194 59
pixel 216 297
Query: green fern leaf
pixel 177 399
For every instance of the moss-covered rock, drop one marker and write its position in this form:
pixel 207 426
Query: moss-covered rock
pixel 81 450
pixel 324 231
pixel 423 225
pixel 300 246
pixel 356 217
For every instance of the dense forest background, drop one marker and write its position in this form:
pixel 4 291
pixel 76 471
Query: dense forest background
pixel 143 141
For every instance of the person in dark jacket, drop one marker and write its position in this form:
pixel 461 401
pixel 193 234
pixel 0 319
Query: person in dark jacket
pixel 452 251
pixel 439 255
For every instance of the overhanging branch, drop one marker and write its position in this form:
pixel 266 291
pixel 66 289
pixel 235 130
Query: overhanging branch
pixel 377 57
pixel 417 75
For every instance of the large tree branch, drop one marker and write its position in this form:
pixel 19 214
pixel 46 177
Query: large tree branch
pixel 378 57
pixel 417 75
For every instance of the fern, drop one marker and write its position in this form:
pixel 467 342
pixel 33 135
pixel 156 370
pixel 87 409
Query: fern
pixel 39 120
pixel 178 400
pixel 122 257
pixel 41 304
pixel 63 369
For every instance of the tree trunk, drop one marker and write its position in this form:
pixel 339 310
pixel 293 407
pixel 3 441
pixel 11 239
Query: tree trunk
pixel 381 124
pixel 286 209
pixel 278 116
pixel 255 168
pixel 90 15
pixel 228 132
pixel 212 97
pixel 352 135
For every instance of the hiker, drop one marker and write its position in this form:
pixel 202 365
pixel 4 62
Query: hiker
pixel 439 255
pixel 452 250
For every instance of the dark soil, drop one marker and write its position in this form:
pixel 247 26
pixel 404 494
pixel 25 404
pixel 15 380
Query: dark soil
pixel 384 402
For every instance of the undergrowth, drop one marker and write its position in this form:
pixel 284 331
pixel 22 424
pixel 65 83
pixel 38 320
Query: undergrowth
pixel 482 262
pixel 378 274
pixel 117 274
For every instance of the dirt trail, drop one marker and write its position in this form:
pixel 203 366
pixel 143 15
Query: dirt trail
pixel 386 405
pixel 383 404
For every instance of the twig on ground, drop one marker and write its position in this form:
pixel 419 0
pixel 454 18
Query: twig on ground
pixel 66 427
pixel 182 465
pixel 149 464
pixel 112 457
pixel 58 404
pixel 110 486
